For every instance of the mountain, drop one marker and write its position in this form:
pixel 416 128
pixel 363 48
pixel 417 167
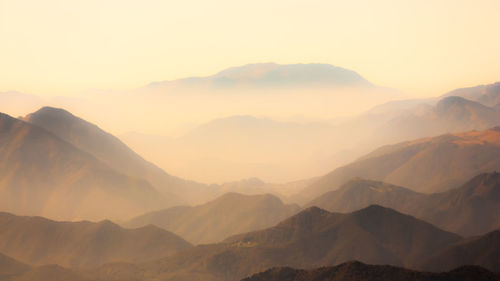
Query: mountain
pixel 113 152
pixel 312 238
pixel 227 215
pixel 41 174
pixel 359 193
pixel 357 271
pixel 425 165
pixel 488 95
pixel 9 267
pixel 468 210
pixel 483 250
pixel 39 241
pixel 276 75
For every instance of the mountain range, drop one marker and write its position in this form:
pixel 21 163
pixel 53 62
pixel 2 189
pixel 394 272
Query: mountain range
pixel 39 241
pixel 427 165
pixel 229 214
pixel 357 271
pixel 468 210
pixel 41 174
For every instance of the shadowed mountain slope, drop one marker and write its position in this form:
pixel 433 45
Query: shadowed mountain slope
pixel 468 210
pixel 113 152
pixel 38 241
pixel 41 174
pixel 227 215
pixel 356 271
pixel 312 238
pixel 483 250
pixel 426 165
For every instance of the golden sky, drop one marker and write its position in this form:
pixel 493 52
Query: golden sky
pixel 66 47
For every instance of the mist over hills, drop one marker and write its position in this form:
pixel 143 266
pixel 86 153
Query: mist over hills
pixel 311 238
pixel 110 150
pixel 425 165
pixel 260 145
pixel 39 241
pixel 42 174
pixel 229 214
pixel 470 209
pixel 488 95
pixel 275 75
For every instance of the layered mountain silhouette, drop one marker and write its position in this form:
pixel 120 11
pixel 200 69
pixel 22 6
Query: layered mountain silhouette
pixel 488 95
pixel 41 174
pixel 312 238
pixel 39 241
pixel 114 153
pixel 216 220
pixel 357 271
pixel 425 165
pixel 483 250
pixel 470 209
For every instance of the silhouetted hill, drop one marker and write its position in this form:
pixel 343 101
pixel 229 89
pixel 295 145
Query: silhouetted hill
pixel 9 267
pixel 359 193
pixel 227 215
pixel 468 210
pixel 483 250
pixel 312 238
pixel 38 241
pixel 426 165
pixel 356 271
pixel 41 174
pixel 113 152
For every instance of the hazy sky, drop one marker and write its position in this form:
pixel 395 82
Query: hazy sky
pixel 421 47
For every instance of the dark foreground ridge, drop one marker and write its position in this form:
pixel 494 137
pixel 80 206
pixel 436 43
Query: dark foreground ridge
pixel 357 271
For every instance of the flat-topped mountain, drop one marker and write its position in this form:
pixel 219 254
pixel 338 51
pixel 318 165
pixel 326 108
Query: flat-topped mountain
pixel 276 75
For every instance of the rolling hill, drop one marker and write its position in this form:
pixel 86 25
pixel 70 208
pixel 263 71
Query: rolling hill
pixel 468 210
pixel 216 220
pixel 39 241
pixel 312 238
pixel 425 165
pixel 483 250
pixel 356 271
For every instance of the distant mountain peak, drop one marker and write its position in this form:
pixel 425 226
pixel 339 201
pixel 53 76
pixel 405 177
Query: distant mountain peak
pixel 273 74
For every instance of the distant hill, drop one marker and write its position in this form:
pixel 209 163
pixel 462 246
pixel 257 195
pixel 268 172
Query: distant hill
pixel 276 75
pixel 470 209
pixel 425 165
pixel 216 220
pixel 360 193
pixel 483 250
pixel 488 95
pixel 312 238
pixel 39 241
pixel 41 174
pixel 356 271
